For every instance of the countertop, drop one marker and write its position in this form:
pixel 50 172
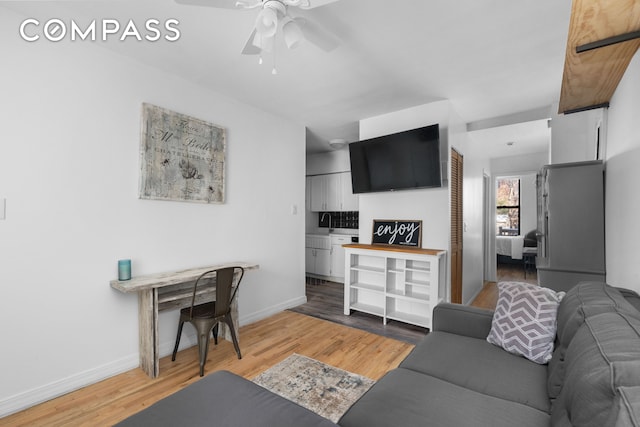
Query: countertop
pixel 337 231
pixel 392 248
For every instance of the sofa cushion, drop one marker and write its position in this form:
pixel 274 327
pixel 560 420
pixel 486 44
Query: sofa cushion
pixel 407 398
pixel 582 301
pixel 626 408
pixel 224 399
pixel 557 363
pixel 461 319
pixel 591 294
pixel 603 355
pixel 475 364
pixel 524 322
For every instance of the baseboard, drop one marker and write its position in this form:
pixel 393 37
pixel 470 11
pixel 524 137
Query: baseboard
pixel 473 297
pixel 270 311
pixel 74 382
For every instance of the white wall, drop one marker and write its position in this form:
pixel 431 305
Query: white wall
pixel 329 162
pixel 515 165
pixel 574 136
pixel 622 200
pixel 528 203
pixel 69 173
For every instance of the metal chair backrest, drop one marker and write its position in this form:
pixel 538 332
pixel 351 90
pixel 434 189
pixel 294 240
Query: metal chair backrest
pixel 225 291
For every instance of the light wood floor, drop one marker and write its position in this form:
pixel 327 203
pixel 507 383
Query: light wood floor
pixel 488 296
pixel 263 344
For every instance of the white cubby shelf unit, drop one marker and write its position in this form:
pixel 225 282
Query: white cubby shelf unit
pixel 397 283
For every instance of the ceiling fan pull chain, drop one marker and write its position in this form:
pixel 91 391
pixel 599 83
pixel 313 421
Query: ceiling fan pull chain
pixel 274 71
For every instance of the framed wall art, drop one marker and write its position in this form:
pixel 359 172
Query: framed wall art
pixel 181 158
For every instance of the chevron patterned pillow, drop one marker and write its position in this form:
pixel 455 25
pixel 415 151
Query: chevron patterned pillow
pixel 524 322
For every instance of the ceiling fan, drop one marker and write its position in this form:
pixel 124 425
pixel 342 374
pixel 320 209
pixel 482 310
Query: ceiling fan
pixel 287 16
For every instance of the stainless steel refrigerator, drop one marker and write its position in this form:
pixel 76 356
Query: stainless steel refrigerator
pixel 570 224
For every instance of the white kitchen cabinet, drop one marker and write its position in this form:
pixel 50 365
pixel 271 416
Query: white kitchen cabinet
pixel 348 201
pixel 401 284
pixel 307 193
pixel 318 261
pixel 309 260
pixel 319 193
pixel 335 192
pixel 332 193
pixel 318 255
pixel 337 256
pixel 323 262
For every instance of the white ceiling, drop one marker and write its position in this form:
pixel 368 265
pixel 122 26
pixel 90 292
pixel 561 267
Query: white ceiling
pixel 511 140
pixel 490 58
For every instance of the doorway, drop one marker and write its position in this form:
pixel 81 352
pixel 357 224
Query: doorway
pixel 514 217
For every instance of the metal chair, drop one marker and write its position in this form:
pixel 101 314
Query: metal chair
pixel 206 317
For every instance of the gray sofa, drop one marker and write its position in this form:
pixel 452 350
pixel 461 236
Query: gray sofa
pixel 454 377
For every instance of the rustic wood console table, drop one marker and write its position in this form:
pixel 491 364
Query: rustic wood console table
pixel 170 291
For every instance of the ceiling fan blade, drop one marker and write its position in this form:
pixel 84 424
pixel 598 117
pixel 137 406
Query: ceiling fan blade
pixel 251 47
pixel 316 3
pixel 316 35
pixel 220 4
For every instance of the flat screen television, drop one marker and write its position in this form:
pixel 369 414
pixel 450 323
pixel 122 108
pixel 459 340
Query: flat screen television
pixel 403 160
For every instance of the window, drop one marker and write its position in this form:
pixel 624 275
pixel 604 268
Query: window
pixel 508 206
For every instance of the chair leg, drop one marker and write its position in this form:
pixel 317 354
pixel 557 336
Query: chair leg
pixel 175 349
pixel 203 348
pixel 214 331
pixel 229 322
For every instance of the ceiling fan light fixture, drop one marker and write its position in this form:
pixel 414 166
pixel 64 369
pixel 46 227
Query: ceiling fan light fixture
pixel 266 43
pixel 295 3
pixel 242 4
pixel 337 143
pixel 292 33
pixel 267 22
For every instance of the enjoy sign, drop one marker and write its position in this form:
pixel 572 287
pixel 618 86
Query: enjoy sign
pixel 397 232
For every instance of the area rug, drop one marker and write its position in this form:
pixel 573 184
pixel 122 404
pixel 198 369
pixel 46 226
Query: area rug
pixel 321 388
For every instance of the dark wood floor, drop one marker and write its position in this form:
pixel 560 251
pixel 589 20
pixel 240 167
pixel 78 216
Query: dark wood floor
pixel 325 300
pixel 516 273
